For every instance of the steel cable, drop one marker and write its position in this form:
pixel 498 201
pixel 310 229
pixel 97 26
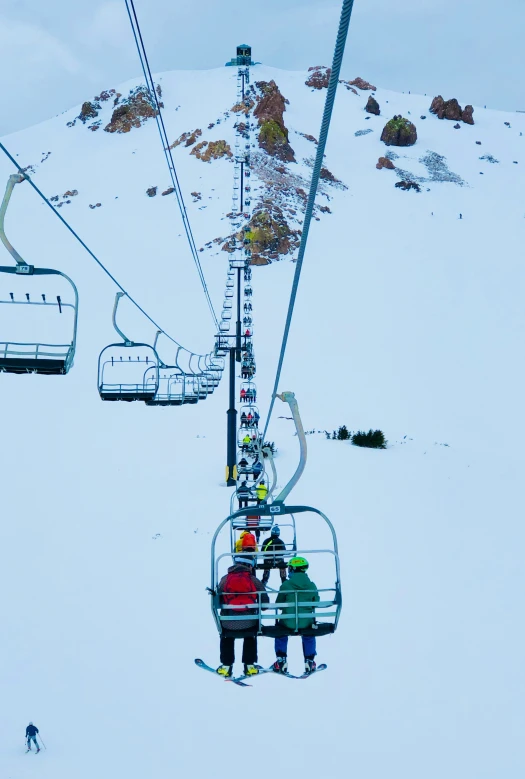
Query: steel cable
pixel 342 34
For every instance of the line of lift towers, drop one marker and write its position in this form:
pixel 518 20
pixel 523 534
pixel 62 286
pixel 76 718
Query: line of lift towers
pixel 133 371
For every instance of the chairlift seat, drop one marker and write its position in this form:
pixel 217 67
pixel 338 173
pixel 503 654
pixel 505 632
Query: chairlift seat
pixel 276 631
pixel 33 365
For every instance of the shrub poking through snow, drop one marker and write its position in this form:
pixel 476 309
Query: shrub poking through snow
pixel 374 439
pixel 342 433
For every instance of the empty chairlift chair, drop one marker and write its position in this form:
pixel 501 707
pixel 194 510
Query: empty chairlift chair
pixel 127 370
pixel 35 356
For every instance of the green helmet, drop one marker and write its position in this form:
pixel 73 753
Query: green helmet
pixel 298 564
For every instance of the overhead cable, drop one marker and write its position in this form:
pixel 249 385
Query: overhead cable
pixel 167 151
pixel 342 34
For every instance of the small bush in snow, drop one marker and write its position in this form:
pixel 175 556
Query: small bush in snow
pixel 374 439
pixel 343 434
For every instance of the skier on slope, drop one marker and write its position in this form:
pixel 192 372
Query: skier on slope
pixel 31 732
pixel 274 544
pixel 239 587
pixel 298 581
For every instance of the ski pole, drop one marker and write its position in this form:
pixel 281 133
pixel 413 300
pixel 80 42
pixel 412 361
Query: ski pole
pixel 42 742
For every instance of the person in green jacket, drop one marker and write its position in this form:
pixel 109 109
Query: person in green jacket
pixel 297 588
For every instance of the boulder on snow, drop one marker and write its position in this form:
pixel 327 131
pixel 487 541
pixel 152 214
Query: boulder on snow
pixel 384 162
pixel 466 114
pixel 360 83
pixel 451 109
pixel 151 192
pixel 88 111
pixel 399 132
pixel 372 106
pixel 132 112
pixel 406 185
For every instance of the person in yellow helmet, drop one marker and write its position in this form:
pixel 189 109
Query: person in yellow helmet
pixel 261 491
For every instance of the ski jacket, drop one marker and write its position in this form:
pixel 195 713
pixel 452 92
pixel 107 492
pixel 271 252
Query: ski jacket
pixel 258 586
pixel 273 544
pixel 306 590
pixel 31 731
pixel 246 540
pixel 261 491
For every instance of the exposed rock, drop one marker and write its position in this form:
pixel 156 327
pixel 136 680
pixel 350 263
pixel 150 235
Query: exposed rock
pixel 319 77
pixel 273 135
pixel 88 111
pixel 211 125
pixel 399 132
pixel 310 138
pixel 70 193
pixel 95 126
pixel 457 126
pixel 466 114
pixel 270 235
pixel 406 185
pixel 384 162
pixel 196 196
pixel 105 95
pixel 168 191
pixel 133 112
pixel 151 192
pixel 188 139
pixel 423 117
pixel 72 124
pixel 324 209
pixel 213 150
pixel 245 107
pixel 326 175
pixel 372 106
pixel 451 109
pixel 360 83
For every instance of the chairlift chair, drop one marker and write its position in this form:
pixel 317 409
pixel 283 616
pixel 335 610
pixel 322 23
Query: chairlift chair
pixel 129 370
pixel 267 617
pixel 34 357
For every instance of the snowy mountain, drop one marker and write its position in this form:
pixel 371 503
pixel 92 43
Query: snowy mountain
pixel 409 319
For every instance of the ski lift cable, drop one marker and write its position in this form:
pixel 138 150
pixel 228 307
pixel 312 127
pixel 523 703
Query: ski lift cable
pixel 141 49
pixel 342 34
pixel 86 247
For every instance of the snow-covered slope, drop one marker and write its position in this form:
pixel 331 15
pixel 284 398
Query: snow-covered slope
pixel 408 319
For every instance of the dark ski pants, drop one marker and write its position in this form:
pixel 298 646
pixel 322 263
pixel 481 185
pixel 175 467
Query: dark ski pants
pixel 309 647
pixel 266 574
pixel 249 650
pixel 30 739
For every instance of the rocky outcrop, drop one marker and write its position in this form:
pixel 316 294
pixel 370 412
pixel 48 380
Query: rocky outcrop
pixel 212 150
pixel 273 134
pixel 360 83
pixel 451 109
pixel 132 112
pixel 384 162
pixel 168 191
pixel 372 106
pixel 188 139
pixel 244 108
pixel 270 235
pixel 88 111
pixel 319 77
pixel 151 192
pixel 399 132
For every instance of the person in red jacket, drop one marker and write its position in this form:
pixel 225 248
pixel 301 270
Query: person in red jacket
pixel 239 588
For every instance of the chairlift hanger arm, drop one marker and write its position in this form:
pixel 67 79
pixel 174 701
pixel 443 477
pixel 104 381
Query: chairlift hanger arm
pixel 289 397
pixel 14 178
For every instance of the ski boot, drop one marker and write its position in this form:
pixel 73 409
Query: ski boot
pixel 281 665
pixel 250 669
pixel 309 665
pixel 225 670
pixel 38 750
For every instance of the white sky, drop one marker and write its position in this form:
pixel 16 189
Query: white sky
pixel 60 53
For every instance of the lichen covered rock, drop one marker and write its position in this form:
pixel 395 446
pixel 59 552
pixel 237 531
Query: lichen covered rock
pixel 273 134
pixel 372 106
pixel 212 150
pixel 360 83
pixel 466 114
pixel 399 132
pixel 134 110
pixel 319 77
pixel 188 138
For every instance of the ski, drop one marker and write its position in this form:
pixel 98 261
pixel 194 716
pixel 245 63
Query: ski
pixel 236 680
pixel 321 667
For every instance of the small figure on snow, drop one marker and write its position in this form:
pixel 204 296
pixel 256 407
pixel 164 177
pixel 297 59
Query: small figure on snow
pixel 31 732
pixel 239 587
pixel 298 581
pixel 274 544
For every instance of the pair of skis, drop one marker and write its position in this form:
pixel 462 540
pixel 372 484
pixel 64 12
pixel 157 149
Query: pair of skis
pixel 239 680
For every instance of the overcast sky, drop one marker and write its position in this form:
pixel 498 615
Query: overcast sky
pixel 57 53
